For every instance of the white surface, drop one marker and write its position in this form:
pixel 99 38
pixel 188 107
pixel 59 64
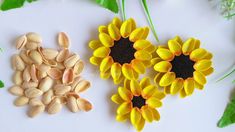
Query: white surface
pixel 80 19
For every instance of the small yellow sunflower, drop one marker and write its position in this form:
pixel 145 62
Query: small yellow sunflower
pixel 138 102
pixel 122 50
pixel 182 66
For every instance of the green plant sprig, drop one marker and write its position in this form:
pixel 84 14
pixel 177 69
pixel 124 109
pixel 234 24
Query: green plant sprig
pixel 12 4
pixel 228 8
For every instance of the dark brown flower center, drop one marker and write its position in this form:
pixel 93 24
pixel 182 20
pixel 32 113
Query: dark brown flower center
pixel 138 101
pixel 182 66
pixel 123 51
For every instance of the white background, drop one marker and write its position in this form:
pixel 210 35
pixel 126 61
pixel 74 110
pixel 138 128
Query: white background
pixel 80 19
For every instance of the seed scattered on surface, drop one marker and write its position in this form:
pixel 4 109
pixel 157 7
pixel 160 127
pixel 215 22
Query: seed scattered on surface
pixel 47 79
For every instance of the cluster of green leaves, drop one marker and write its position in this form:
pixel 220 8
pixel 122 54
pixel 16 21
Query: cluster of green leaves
pixel 228 117
pixel 228 8
pixel 12 4
pixel 1 84
pixel 111 5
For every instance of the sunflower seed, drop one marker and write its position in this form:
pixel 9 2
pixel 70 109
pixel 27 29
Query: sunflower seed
pixel 35 110
pixel 63 40
pixel 54 107
pixel 46 84
pixel 34 37
pixel 33 92
pixel 20 42
pixel 21 101
pixel 16 90
pixel 72 104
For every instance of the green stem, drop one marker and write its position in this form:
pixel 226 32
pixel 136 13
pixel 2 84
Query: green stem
pixel 145 6
pixel 227 75
pixel 123 10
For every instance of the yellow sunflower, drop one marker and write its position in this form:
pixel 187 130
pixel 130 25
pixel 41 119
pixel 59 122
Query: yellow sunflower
pixel 122 50
pixel 138 102
pixel 182 66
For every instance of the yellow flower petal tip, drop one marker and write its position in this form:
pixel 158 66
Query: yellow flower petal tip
pixel 122 51
pixel 138 101
pixel 182 66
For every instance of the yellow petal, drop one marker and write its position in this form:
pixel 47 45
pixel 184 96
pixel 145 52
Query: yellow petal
pixel 174 47
pixel 208 71
pixel 199 77
pixel 149 91
pixel 101 52
pixel 202 65
pixel 154 102
pixel 114 32
pixel 106 64
pixel 127 83
pixel 125 94
pixel 122 118
pixel 159 95
pixel 147 113
pixel 116 70
pixel 189 86
pixel 145 33
pixel 136 75
pixel 126 29
pixel 182 93
pixel 105 75
pixel 133 24
pixel 124 108
pixel 177 85
pixel 118 80
pixel 158 77
pixel 136 34
pixel 150 48
pixel 147 63
pixel 135 116
pixel 138 66
pixel 167 89
pixel 145 82
pixel 167 79
pixel 95 60
pixel 94 44
pixel 208 56
pixel 141 44
pixel 156 115
pixel 117 99
pixel 163 66
pixel 135 88
pixel 188 46
pixel 127 71
pixel 143 55
pixel 103 29
pixel 179 40
pixel 140 125
pixel 117 22
pixel 198 54
pixel 197 44
pixel 106 40
pixel 155 60
pixel 198 86
pixel 165 54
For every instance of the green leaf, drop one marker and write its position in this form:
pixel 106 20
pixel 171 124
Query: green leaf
pixel 145 6
pixel 228 117
pixel 109 4
pixel 12 4
pixel 1 84
pixel 124 9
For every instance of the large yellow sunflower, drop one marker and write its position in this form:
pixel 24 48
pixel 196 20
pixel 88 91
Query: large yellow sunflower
pixel 138 102
pixel 182 66
pixel 122 51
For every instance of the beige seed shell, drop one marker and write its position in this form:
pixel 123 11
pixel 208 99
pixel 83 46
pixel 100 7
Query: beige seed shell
pixel 61 90
pixel 21 101
pixel 63 40
pixel 26 74
pixel 54 107
pixel 35 110
pixel 31 45
pixel 16 90
pixel 30 84
pixel 18 63
pixel 46 84
pixel 17 78
pixel 68 76
pixel 20 42
pixel 63 54
pixel 78 68
pixel 84 104
pixel 71 61
pixel 49 54
pixel 34 37
pixel 55 73
pixel 35 101
pixel 47 97
pixel 33 92
pixel 33 73
pixel 82 86
pixel 72 104
pixel 35 57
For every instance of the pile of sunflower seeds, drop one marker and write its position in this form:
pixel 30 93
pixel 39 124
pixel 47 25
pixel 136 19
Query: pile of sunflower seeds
pixel 46 79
